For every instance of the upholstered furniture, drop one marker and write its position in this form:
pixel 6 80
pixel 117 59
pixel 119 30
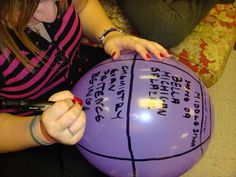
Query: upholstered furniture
pixel 205 50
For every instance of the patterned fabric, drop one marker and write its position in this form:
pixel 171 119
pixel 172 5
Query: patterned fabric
pixel 205 50
pixel 53 72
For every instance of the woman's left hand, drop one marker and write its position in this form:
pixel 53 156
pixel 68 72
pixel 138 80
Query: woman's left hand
pixel 116 42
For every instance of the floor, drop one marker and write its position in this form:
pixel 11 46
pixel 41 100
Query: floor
pixel 220 158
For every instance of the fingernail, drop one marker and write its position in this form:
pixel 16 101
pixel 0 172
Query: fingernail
pixel 77 100
pixel 148 55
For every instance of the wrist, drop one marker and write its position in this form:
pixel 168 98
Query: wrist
pixel 108 33
pixel 45 133
pixel 36 132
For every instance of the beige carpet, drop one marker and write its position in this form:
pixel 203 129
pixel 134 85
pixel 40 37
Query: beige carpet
pixel 220 158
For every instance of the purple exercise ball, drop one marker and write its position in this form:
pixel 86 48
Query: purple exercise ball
pixel 145 118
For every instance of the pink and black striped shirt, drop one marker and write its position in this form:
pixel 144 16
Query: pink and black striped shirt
pixel 56 72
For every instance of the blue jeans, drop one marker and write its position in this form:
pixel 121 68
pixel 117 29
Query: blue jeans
pixel 167 22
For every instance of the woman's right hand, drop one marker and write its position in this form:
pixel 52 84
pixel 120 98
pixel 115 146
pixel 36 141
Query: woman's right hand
pixel 65 121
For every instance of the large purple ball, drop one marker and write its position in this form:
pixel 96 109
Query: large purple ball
pixel 145 118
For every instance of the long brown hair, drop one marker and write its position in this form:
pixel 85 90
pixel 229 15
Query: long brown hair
pixel 15 16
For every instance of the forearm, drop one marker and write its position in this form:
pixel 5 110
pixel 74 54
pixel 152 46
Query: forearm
pixel 15 134
pixel 94 20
